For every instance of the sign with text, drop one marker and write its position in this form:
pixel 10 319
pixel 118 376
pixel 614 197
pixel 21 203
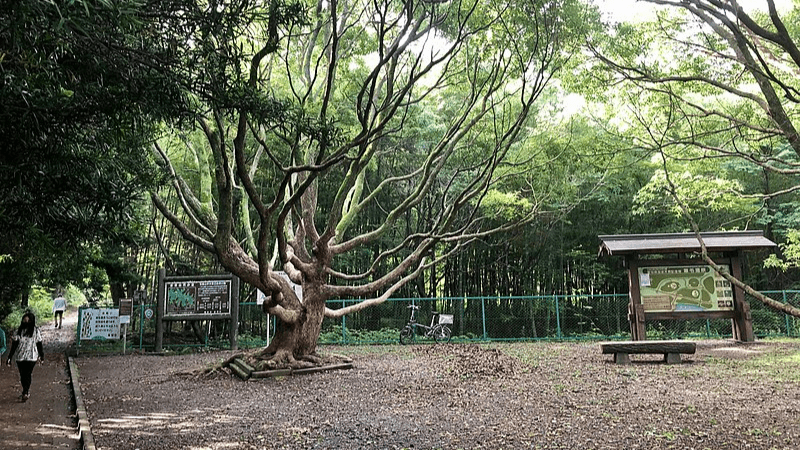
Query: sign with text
pixel 192 297
pixel 125 310
pixel 684 289
pixel 99 324
pixel 298 289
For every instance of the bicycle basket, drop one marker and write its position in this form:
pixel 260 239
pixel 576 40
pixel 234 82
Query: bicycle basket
pixel 445 318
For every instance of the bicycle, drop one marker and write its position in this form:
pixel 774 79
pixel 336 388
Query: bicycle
pixel 440 332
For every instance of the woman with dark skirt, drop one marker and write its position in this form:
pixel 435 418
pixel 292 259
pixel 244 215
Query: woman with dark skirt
pixel 27 344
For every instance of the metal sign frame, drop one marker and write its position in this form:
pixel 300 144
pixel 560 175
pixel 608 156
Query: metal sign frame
pixel 202 297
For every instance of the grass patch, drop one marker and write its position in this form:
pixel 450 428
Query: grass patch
pixel 777 363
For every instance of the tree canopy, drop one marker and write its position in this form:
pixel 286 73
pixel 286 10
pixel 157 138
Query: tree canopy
pixel 713 90
pixel 393 128
pixel 377 149
pixel 84 89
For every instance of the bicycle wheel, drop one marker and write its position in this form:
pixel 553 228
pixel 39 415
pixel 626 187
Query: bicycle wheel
pixel 406 335
pixel 441 333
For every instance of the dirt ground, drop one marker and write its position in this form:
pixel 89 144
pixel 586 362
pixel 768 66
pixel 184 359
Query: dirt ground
pixel 46 420
pixel 456 396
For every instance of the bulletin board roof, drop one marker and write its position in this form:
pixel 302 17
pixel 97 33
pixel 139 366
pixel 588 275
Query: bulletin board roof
pixel 720 241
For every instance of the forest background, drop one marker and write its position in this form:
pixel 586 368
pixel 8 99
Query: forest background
pixel 644 127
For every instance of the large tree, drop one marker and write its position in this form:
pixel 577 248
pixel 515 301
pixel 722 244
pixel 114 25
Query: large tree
pixel 708 81
pixel 353 125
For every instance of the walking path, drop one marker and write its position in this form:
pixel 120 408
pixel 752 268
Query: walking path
pixel 47 420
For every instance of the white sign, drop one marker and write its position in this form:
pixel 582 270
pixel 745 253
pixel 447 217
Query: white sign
pixel 260 297
pixel 298 289
pixel 644 279
pixel 99 324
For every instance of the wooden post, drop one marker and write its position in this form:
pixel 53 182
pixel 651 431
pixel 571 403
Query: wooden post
pixel 635 307
pixel 234 312
pixel 742 322
pixel 160 310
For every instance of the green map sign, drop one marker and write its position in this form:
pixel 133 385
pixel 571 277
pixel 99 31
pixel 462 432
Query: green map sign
pixel 684 289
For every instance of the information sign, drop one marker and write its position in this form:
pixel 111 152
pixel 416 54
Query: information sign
pixel 125 310
pixel 298 289
pixel 198 297
pixel 99 324
pixel 684 288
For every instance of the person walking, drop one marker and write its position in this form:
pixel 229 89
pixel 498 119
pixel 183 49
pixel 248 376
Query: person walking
pixel 2 342
pixel 27 344
pixel 59 306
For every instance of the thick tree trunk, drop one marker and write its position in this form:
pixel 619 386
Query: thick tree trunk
pixel 295 343
pixel 117 292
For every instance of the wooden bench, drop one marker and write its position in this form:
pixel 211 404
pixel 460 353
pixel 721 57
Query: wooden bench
pixel 670 349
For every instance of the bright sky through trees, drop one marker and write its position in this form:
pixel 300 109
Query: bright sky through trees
pixel 637 10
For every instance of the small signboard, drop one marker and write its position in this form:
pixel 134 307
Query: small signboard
pixel 298 289
pixel 193 297
pixel 125 310
pixel 99 324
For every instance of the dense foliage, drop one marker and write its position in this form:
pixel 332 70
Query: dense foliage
pixel 414 132
pixel 85 85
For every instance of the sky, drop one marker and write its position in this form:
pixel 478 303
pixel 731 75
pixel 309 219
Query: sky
pixel 634 11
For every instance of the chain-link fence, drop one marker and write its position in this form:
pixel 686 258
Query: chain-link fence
pixel 556 317
pixel 476 319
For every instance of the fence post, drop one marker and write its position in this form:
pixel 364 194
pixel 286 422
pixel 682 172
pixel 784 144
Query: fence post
pixel 558 317
pixel 141 326
pixel 344 326
pixel 77 333
pixel 160 307
pixel 786 316
pixel 708 329
pixel 483 316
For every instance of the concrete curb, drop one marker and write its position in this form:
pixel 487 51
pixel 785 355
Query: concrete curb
pixel 84 426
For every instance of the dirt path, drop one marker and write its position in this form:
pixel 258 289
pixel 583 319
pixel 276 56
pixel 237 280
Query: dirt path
pixel 541 396
pixel 46 420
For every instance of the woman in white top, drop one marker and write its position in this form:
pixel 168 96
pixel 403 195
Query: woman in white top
pixel 27 344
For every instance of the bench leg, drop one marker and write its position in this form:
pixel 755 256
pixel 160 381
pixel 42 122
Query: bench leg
pixel 672 358
pixel 622 358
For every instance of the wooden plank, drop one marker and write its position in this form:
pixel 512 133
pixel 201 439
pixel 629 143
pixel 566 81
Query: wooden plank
pixel 244 365
pixel 239 371
pixel 287 372
pixel 642 347
pixel 271 373
pixel 322 369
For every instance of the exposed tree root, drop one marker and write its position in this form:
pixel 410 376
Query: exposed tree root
pixel 314 359
pixel 264 359
pixel 215 371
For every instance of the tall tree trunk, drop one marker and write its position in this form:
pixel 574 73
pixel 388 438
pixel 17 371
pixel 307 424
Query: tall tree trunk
pixel 295 343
